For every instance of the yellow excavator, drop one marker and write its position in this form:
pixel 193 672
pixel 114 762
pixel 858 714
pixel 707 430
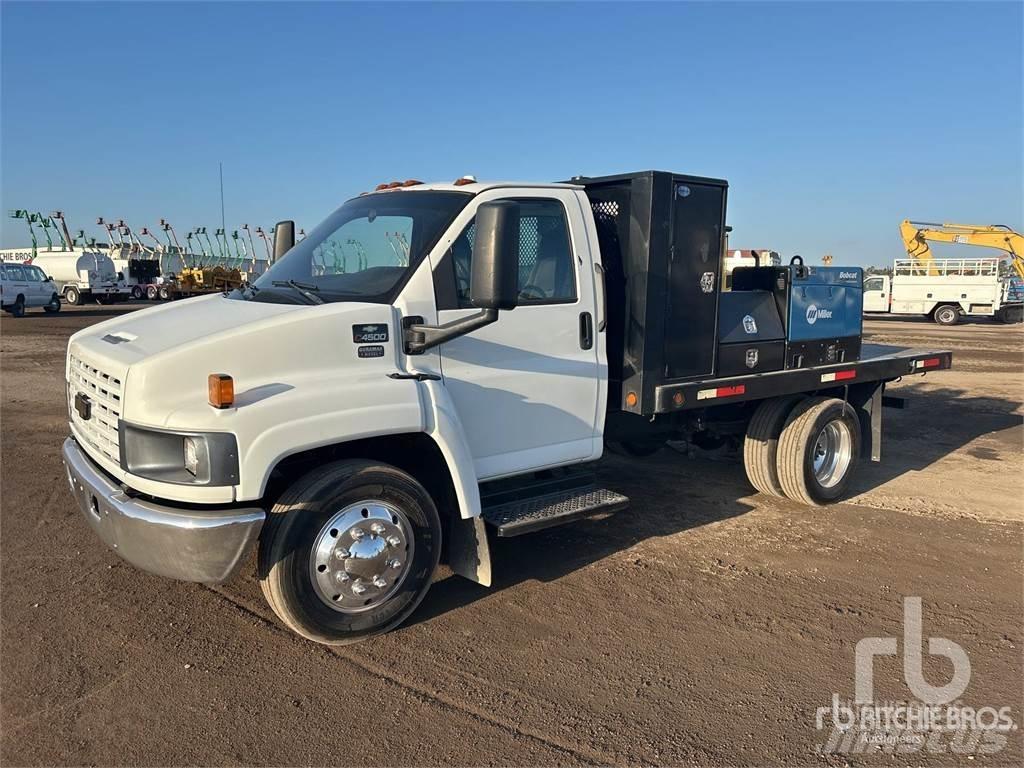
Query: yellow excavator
pixel 917 234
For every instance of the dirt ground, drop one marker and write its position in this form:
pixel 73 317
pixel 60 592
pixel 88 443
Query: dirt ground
pixel 703 626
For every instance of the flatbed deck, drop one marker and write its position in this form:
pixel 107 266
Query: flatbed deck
pixel 878 363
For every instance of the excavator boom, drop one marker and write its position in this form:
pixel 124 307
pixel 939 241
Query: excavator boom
pixel 917 234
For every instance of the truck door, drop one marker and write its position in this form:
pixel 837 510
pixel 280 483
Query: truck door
pixel 876 294
pixel 528 387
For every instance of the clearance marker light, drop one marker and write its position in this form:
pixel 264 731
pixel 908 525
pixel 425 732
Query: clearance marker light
pixel 838 376
pixel 931 362
pixel 709 394
pixel 222 390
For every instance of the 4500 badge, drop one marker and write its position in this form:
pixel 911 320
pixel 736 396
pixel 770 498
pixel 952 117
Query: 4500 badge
pixel 369 334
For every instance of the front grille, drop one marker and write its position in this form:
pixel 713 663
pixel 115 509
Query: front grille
pixel 100 430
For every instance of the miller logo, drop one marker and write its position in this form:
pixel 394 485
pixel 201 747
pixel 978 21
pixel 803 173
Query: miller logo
pixel 749 324
pixel 751 358
pixel 814 313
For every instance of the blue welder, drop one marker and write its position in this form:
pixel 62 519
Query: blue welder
pixel 819 309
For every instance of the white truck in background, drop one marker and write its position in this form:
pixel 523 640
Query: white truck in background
pixel 79 274
pixel 944 290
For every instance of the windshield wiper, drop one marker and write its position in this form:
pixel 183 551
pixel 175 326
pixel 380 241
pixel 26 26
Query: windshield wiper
pixel 304 289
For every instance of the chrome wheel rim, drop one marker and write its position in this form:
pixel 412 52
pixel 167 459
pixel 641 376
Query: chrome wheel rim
pixel 361 556
pixel 833 450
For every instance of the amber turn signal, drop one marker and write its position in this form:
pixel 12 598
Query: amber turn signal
pixel 222 390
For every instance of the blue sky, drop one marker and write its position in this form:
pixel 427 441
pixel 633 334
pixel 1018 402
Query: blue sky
pixel 832 122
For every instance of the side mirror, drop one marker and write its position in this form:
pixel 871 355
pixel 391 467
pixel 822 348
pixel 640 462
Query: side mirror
pixel 494 279
pixel 49 278
pixel 284 238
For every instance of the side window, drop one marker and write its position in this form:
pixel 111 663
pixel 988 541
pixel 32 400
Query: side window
pixel 546 271
pixel 874 284
pixel 14 272
pixel 35 274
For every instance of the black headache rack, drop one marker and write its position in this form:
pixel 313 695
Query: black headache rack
pixel 878 363
pixel 661 236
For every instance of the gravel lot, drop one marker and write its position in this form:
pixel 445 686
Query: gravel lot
pixel 705 625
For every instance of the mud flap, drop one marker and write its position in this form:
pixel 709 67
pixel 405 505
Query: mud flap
pixel 469 554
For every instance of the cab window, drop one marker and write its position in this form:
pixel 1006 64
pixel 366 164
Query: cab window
pixel 14 272
pixel 546 271
pixel 35 274
pixel 874 284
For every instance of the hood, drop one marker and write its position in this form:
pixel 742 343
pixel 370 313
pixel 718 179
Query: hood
pixel 137 335
pixel 165 354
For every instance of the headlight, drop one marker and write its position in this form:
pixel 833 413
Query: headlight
pixel 187 458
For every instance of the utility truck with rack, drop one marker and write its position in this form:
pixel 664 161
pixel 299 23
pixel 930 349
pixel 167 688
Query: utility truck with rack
pixel 352 422
pixel 945 290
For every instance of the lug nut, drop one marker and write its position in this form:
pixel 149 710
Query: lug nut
pixel 377 528
pixel 357 533
pixel 358 587
pixel 379 582
pixel 341 577
pixel 394 563
pixel 394 541
pixel 341 554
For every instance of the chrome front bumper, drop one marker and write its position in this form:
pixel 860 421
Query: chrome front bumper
pixel 187 544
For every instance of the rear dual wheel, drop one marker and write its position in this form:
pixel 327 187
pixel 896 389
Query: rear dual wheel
pixel 805 450
pixel 349 551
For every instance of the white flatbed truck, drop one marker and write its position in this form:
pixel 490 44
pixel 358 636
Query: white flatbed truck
pixel 353 425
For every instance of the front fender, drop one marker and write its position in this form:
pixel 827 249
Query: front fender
pixel 316 413
pixel 442 423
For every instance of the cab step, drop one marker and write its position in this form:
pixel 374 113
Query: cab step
pixel 554 507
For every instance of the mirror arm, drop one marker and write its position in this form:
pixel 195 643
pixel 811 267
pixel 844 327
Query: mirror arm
pixel 419 338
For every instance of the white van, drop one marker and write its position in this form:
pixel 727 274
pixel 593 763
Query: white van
pixel 23 286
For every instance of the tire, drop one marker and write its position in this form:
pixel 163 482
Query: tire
pixel 73 296
pixel 17 309
pixel 760 445
pixel 810 422
pixel 137 292
pixel 151 293
pixel 317 517
pixel 54 306
pixel 947 314
pixel 163 293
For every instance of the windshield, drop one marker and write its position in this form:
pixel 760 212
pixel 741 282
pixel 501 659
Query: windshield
pixel 362 251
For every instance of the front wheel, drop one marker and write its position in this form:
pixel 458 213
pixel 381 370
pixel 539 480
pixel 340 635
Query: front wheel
pixel 349 551
pixel 817 451
pixel 53 306
pixel 947 314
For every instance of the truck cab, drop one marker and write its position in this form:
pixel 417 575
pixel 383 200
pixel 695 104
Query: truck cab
pixel 433 365
pixel 877 293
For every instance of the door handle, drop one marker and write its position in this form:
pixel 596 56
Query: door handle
pixel 586 330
